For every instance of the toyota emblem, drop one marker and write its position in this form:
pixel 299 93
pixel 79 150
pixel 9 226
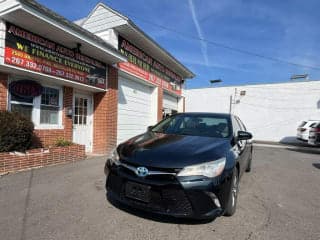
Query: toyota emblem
pixel 142 171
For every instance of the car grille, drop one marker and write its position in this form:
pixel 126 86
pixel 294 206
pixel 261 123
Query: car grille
pixel 161 177
pixel 164 200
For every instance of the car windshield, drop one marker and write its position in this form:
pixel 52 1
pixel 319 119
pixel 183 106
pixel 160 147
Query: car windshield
pixel 313 125
pixel 207 126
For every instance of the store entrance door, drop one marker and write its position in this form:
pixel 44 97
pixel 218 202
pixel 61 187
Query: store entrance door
pixel 82 120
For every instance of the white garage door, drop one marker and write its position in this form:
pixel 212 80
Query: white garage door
pixel 134 108
pixel 170 102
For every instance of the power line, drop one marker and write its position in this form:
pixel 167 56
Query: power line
pixel 217 44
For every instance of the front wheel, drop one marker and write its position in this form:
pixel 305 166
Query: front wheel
pixel 233 195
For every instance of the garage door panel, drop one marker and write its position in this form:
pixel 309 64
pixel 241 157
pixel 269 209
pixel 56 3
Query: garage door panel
pixel 170 102
pixel 134 108
pixel 135 96
pixel 131 126
pixel 129 112
pixel 135 89
pixel 140 103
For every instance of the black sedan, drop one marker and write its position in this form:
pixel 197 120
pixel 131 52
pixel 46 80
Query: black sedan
pixel 188 165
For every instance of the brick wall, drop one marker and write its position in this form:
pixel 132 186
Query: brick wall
pixel 47 137
pixel 11 162
pixel 105 115
pixel 160 103
pixel 3 91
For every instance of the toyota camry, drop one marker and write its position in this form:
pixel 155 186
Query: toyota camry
pixel 188 165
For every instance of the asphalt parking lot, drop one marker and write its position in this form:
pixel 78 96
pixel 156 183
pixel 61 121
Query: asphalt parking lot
pixel 279 199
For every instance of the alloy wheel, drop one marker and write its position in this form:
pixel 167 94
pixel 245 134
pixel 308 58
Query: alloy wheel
pixel 234 190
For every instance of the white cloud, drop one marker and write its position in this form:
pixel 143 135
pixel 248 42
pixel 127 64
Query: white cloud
pixel 204 47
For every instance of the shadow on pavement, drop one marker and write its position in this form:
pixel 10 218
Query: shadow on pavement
pixel 155 217
pixel 293 141
pixel 309 151
pixel 316 165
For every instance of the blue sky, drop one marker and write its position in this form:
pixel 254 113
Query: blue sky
pixel 287 30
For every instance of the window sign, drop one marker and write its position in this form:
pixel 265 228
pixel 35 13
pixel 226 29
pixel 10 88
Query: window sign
pixel 44 109
pixel 25 88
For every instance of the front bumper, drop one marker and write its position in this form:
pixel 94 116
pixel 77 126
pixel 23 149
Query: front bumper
pixel 200 198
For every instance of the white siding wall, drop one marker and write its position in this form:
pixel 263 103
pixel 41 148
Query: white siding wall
pixel 110 36
pixel 2 40
pixel 102 19
pixel 271 112
pixel 170 101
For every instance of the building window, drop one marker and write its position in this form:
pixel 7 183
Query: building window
pixel 80 110
pixel 45 110
pixel 49 109
pixel 23 105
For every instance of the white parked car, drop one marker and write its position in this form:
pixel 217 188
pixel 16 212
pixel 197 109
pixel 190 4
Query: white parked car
pixel 304 129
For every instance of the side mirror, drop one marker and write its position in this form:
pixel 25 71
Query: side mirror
pixel 242 135
pixel 149 128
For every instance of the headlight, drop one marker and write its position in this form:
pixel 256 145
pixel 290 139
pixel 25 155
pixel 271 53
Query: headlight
pixel 114 158
pixel 208 169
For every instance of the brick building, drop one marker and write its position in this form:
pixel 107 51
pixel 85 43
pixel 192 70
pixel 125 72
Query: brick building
pixel 150 83
pixel 74 82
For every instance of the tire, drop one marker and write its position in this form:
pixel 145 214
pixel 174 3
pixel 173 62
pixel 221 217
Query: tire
pixel 233 194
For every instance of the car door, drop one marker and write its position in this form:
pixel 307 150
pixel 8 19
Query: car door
pixel 239 146
pixel 247 143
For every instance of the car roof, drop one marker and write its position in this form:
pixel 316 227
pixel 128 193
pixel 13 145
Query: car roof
pixel 211 114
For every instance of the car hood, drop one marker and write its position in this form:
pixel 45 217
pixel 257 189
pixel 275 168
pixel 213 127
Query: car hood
pixel 172 151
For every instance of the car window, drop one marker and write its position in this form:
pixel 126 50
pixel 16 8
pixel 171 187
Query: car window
pixel 313 124
pixel 236 126
pixel 167 123
pixel 209 126
pixel 242 126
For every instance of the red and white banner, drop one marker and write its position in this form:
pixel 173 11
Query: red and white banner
pixel 147 76
pixel 26 61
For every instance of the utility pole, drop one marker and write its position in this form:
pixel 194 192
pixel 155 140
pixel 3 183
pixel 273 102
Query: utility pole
pixel 232 100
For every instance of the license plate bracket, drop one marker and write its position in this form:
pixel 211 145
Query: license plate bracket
pixel 137 191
